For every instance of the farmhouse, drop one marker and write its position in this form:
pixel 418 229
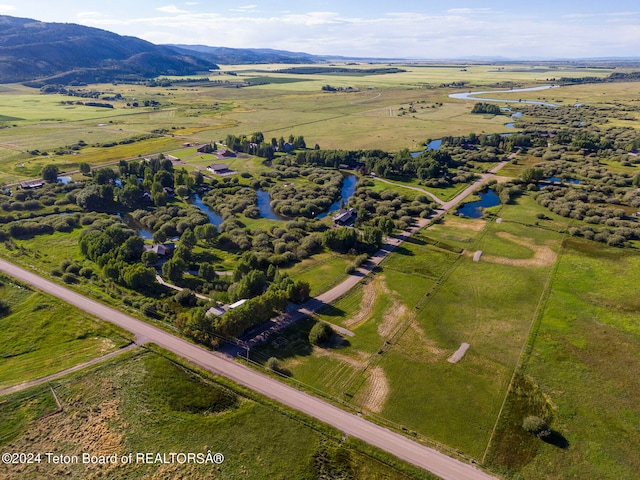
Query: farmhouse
pixel 225 153
pixel 345 217
pixel 161 249
pixel 221 309
pixel 220 169
pixel 31 185
pixel 206 148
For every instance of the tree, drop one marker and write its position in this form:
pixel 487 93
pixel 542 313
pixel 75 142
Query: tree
pixel 206 232
pixel 532 175
pixel 188 239
pixel 186 298
pixel 138 277
pixel 104 175
pixel 130 196
pixel 320 333
pixel 50 173
pixel 174 269
pixel 84 168
pixel 208 272
pixel 149 258
pixel 131 250
pixel 537 426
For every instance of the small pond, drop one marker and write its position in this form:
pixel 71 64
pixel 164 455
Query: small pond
pixel 347 191
pixel 64 180
pixel 432 145
pixel 264 205
pixel 132 223
pixel 213 216
pixel 563 180
pixel 474 209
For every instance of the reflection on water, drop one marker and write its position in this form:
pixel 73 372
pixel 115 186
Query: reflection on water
pixel 132 223
pixel 474 209
pixel 213 216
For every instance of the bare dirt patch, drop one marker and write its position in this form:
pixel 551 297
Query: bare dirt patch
pixel 472 224
pixel 543 256
pixel 366 305
pixel 393 316
pixel 360 362
pixel 374 395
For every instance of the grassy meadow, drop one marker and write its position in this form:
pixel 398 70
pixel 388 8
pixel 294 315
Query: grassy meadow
pixel 552 321
pixel 291 103
pixel 41 335
pixel 580 372
pixel 143 402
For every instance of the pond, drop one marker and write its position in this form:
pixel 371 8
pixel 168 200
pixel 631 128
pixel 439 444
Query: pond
pixel 563 180
pixel 64 180
pixel 432 145
pixel 213 216
pixel 346 192
pixel 474 209
pixel 264 205
pixel 132 223
pixel 264 202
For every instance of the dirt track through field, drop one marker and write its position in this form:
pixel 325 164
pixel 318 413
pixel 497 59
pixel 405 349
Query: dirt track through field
pixel 543 256
pixel 366 305
pixel 374 395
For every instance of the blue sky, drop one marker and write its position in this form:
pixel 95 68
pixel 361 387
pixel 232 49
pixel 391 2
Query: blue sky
pixel 404 28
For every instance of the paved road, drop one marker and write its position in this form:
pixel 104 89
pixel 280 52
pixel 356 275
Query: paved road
pixel 394 443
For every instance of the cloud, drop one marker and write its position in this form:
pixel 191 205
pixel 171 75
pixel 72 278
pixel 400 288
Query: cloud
pixel 88 14
pixel 7 8
pixel 246 8
pixel 469 11
pixel 171 9
pixel 394 34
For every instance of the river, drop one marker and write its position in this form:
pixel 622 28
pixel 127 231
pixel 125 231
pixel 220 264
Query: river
pixel 468 96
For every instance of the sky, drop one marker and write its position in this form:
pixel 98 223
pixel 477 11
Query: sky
pixel 424 29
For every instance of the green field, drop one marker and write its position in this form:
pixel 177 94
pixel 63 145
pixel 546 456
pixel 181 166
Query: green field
pixel 551 320
pixel 143 402
pixel 289 104
pixel 583 362
pixel 41 335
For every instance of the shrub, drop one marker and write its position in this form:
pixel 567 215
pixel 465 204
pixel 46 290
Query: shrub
pixel 69 278
pixel 537 426
pixel 273 364
pixel 320 333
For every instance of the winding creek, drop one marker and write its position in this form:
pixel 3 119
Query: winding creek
pixel 471 96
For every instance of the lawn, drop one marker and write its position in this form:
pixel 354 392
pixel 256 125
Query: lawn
pixel 322 271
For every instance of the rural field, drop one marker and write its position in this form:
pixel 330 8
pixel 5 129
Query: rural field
pixel 366 118
pixel 144 402
pixel 469 327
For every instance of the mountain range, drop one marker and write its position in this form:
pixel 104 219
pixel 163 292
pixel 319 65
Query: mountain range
pixel 41 52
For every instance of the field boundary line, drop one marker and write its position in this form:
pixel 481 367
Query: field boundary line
pixel 528 344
